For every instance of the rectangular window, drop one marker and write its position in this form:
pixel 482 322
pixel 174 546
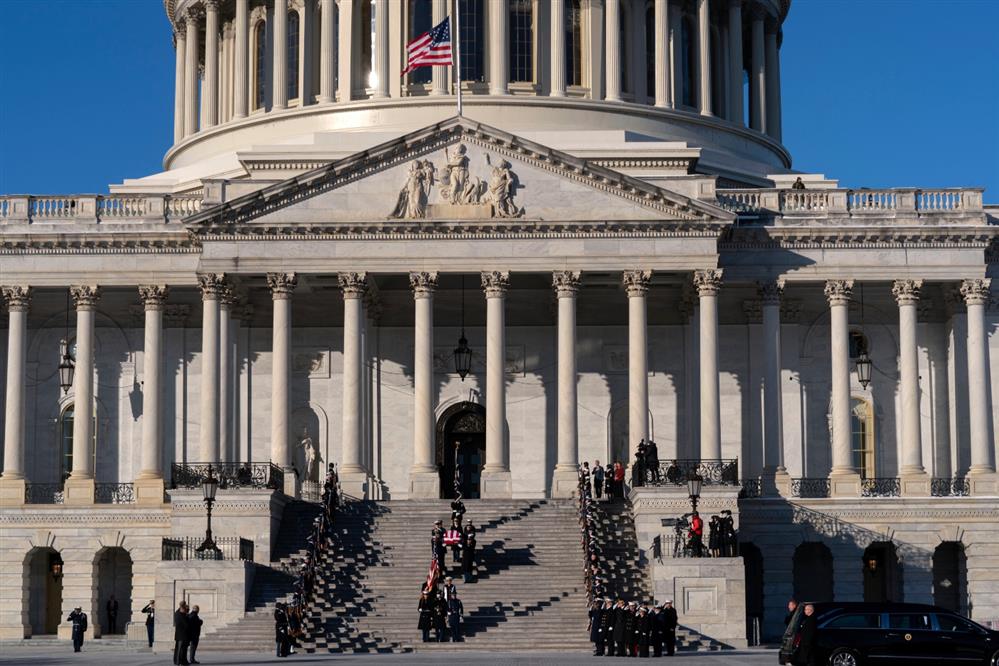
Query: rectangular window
pixel 856 621
pixel 472 40
pixel 908 621
pixel 521 41
pixel 420 21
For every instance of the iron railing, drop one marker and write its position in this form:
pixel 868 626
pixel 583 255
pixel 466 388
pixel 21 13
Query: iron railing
pixel 675 472
pixel 258 475
pixel 751 488
pixel 114 493
pixel 881 487
pixel 676 545
pixel 43 493
pixel 810 487
pixel 956 487
pixel 227 548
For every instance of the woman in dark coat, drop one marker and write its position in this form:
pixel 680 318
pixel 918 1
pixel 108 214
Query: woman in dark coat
pixel 426 609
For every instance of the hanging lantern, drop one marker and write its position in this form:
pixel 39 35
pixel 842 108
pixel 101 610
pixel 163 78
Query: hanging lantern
pixel 462 357
pixel 864 369
pixel 66 367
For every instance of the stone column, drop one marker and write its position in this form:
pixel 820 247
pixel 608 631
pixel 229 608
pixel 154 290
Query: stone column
pixel 212 286
pixel 704 56
pixel 498 44
pixel 612 50
pixel 982 473
pixel 423 478
pixel 282 285
pixel 757 75
pixel 353 475
pixel 496 481
pixel 211 100
pixel 662 80
pixel 772 76
pixel 327 75
pixel 438 81
pixel 636 284
pixel 914 478
pixel 345 51
pixel 227 300
pixel 191 74
pixel 565 477
pixel 676 76
pixel 12 481
pixel 149 483
pixel 279 35
pixel 179 82
pixel 736 113
pixel 241 44
pixel 382 49
pixel 844 479
pixel 80 484
pixel 708 283
pixel 557 62
pixel 775 475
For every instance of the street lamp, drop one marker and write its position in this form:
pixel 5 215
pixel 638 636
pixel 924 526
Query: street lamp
pixel 66 364
pixel 864 369
pixel 462 353
pixel 694 482
pixel 208 550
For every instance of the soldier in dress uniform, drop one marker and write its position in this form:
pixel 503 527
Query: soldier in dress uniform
pixel 620 627
pixel 656 618
pixel 630 633
pixel 593 627
pixel 669 627
pixel 606 627
pixel 643 630
pixel 468 552
pixel 79 620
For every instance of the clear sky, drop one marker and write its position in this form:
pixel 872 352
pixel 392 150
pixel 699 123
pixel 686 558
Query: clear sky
pixel 876 93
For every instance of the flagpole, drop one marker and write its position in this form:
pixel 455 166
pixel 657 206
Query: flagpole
pixel 457 51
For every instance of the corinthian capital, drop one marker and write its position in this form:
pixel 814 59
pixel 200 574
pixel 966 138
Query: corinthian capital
pixel 770 292
pixel 976 292
pixel 495 283
pixel 18 298
pixel 282 284
pixel 838 292
pixel 708 282
pixel 566 283
pixel 423 283
pixel 153 295
pixel 353 285
pixel 906 292
pixel 212 285
pixel 85 296
pixel 636 283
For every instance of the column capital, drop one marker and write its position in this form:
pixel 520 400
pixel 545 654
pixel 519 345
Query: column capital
pixel 565 283
pixel 176 315
pixel 85 296
pixel 179 31
pixel 153 295
pixel 906 292
pixel 229 297
pixel 838 292
pixel 353 285
pixel 976 291
pixel 282 285
pixel 212 285
pixel 424 283
pixel 753 309
pixel 757 13
pixel 18 298
pixel 953 300
pixel 193 14
pixel 708 282
pixel 210 5
pixel 770 292
pixel 495 283
pixel 636 283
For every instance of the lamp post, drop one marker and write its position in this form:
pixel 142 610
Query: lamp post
pixel 694 482
pixel 462 353
pixel 208 550
pixel 66 364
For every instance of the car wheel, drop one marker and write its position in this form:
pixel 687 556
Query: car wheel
pixel 844 657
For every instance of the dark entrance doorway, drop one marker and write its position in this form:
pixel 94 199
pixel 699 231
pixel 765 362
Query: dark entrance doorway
pixel 43 576
pixel 882 573
pixel 950 576
pixel 461 444
pixel 812 573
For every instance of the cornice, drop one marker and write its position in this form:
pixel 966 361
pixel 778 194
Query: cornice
pixel 831 237
pixel 99 243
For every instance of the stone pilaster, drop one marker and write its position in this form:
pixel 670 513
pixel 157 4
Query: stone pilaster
pixel 241 70
pixel 775 476
pixel 213 286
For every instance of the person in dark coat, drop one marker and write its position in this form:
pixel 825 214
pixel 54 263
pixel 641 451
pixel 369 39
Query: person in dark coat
pixel 627 619
pixel 593 627
pixel 440 619
pixel 468 552
pixel 652 462
pixel 426 608
pixel 605 624
pixel 194 623
pixel 792 605
pixel 457 511
pixel 281 630
pixel 455 610
pixel 620 627
pixel 656 621
pixel 150 611
pixel 643 631
pixel 598 479
pixel 79 620
pixel 609 481
pixel 805 654
pixel 669 627
pixel 181 639
pixel 112 610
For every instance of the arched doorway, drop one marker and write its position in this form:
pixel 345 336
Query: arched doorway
pixel 113 577
pixel 813 572
pixel 752 560
pixel 461 442
pixel 950 576
pixel 43 576
pixel 882 573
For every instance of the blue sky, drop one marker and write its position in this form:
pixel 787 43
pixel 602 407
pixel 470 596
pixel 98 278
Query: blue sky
pixel 878 93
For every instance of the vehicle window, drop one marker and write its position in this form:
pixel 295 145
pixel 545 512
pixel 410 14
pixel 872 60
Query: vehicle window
pixel 954 623
pixel 909 621
pixel 855 621
pixel 792 626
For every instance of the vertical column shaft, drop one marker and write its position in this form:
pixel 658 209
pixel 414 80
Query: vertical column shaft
pixel 18 303
pixel 566 285
pixel 382 48
pixel 345 51
pixel 282 286
pixel 497 456
pixel 423 285
pixel 838 292
pixel 85 297
pixel 662 80
pixel 191 76
pixel 704 56
pixel 179 84
pixel 708 282
pixel 636 285
pixel 212 287
pixel 772 76
pixel 676 76
pixel 557 62
pixel 906 292
pixel 773 433
pixel 327 75
pixel 736 112
pixel 211 100
pixel 241 45
pixel 353 286
pixel 757 77
pixel 153 299
pixel 279 92
pixel 976 296
pixel 498 45
pixel 438 82
pixel 226 302
pixel 612 49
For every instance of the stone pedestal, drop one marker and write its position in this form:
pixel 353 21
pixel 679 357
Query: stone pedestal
pixel 78 491
pixel 355 484
pixel 496 485
pixel 250 513
pixel 915 485
pixel 149 492
pixel 565 483
pixel 424 485
pixel 709 595
pixel 983 485
pixel 11 492
pixel 844 485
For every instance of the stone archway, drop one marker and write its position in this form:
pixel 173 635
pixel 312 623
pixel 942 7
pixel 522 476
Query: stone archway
pixel 461 441
pixel 950 577
pixel 813 572
pixel 883 579
pixel 43 579
pixel 113 576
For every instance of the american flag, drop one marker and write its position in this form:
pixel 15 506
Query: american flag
pixel 431 48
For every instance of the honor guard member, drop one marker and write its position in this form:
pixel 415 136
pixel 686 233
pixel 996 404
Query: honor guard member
pixel 669 627
pixel 79 620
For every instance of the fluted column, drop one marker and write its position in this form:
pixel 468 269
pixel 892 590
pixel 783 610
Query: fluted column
pixel 636 284
pixel 564 480
pixel 704 56
pixel 352 471
pixel 757 74
pixel 345 51
pixel 241 44
pixel 191 74
pixel 211 100
pixel 282 286
pixel 843 477
pixel 423 478
pixel 212 287
pixel 708 282
pixel 279 77
pixel 18 301
pixel 227 301
pixel 498 46
pixel 736 112
pixel 772 68
pixel 496 481
pixel 79 487
pixel 662 82
pixel 382 48
pixel 906 293
pixel 557 62
pixel 149 483
pixel 982 471
pixel 327 73
pixel 612 49
pixel 438 81
pixel 773 427
pixel 179 82
pixel 675 45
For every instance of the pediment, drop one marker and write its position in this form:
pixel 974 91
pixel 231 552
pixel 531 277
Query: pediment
pixel 460 173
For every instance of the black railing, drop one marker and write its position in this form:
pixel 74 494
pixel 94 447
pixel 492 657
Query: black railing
pixel 881 487
pixel 751 488
pixel 956 487
pixel 114 493
pixel 228 548
pixel 43 493
pixel 229 475
pixel 675 472
pixel 807 487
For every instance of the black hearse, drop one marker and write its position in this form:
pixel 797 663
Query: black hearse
pixel 853 633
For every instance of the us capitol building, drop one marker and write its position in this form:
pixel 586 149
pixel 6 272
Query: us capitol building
pixel 608 245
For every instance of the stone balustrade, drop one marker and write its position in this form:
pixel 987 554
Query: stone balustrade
pixel 852 203
pixel 92 208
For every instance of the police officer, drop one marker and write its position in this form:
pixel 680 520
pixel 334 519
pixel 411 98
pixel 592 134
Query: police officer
pixel 79 620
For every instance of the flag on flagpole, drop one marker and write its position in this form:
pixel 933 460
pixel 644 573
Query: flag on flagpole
pixel 431 48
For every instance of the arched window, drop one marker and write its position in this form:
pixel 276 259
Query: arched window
pixel 420 21
pixel 259 65
pixel 521 40
pixel 292 72
pixel 472 39
pixel 650 51
pixel 573 43
pixel 862 438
